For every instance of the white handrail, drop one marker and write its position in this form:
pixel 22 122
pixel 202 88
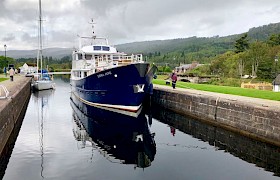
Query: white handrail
pixel 5 91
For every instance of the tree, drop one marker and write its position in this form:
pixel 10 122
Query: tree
pixel 241 63
pixel 65 59
pixel 218 65
pixel 241 44
pixel 257 53
pixel 274 40
pixel 4 62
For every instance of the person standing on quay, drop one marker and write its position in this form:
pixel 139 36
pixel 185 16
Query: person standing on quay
pixel 12 73
pixel 5 71
pixel 174 79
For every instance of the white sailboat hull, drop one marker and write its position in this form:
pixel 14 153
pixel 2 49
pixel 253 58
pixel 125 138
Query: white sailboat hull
pixel 43 85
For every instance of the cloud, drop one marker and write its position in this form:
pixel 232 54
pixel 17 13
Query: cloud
pixel 125 21
pixel 9 37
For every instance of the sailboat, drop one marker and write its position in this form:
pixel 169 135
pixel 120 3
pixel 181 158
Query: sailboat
pixel 42 80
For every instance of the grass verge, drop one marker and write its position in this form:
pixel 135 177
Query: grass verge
pixel 3 79
pixel 226 90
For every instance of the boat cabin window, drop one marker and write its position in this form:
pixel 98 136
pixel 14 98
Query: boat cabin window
pixel 105 48
pixel 80 56
pixel 116 57
pixel 97 48
pixel 77 74
pixel 88 57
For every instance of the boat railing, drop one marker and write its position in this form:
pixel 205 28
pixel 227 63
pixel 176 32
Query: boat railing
pixel 105 61
pixel 102 64
pixel 123 60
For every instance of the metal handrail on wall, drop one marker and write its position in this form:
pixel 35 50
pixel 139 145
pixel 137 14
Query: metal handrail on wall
pixel 5 90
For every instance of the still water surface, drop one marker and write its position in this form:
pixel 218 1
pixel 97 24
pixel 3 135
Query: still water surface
pixel 53 144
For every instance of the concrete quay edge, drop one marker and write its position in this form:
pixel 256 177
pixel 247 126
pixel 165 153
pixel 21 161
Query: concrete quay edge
pixel 252 117
pixel 12 109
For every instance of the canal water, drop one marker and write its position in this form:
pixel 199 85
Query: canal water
pixel 62 139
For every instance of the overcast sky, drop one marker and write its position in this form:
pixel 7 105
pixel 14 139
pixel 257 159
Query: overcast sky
pixel 124 21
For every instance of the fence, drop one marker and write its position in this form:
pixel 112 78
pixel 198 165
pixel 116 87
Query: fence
pixel 259 86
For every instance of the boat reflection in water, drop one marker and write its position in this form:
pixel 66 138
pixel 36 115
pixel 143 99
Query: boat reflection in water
pixel 120 138
pixel 41 99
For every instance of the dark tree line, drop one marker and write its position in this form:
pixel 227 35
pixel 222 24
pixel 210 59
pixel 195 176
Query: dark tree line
pixel 52 63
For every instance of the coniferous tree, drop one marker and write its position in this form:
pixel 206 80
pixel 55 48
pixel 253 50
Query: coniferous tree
pixel 241 44
pixel 274 40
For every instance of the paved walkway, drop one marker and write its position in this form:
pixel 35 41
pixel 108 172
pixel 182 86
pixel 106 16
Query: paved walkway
pixel 242 99
pixel 12 86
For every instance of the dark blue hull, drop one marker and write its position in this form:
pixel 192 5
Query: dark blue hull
pixel 124 137
pixel 119 87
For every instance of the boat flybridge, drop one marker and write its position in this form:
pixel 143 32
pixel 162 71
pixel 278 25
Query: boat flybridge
pixel 98 56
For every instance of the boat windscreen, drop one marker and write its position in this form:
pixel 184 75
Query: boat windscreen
pixel 105 48
pixel 97 48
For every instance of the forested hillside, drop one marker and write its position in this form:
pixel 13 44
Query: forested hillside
pixel 264 32
pixel 200 49
pixel 55 53
pixel 192 48
pixel 219 52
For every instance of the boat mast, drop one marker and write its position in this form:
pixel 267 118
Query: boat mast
pixel 92 27
pixel 40 54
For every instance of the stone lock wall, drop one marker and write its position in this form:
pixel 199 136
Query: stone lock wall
pixel 260 122
pixel 11 110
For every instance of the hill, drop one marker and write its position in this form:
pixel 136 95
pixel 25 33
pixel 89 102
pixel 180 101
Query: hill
pixel 262 33
pixel 195 44
pixel 57 53
pixel 192 47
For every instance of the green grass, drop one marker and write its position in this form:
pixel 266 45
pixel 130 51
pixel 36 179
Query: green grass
pixel 226 90
pixel 3 79
pixel 62 70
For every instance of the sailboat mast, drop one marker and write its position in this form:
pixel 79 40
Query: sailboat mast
pixel 40 54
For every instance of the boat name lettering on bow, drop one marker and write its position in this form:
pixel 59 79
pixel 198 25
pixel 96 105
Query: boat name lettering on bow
pixel 104 74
